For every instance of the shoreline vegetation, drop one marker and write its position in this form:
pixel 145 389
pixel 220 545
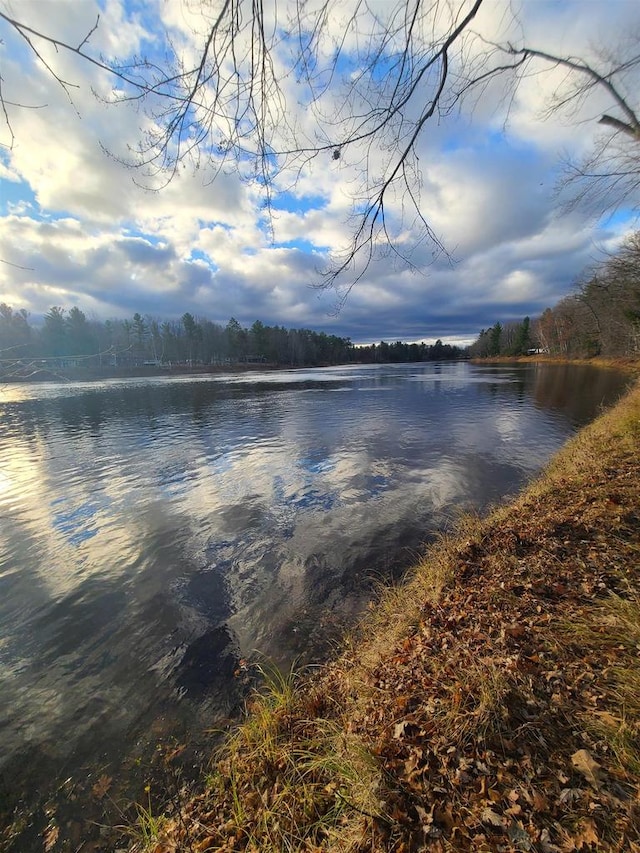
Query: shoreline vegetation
pixel 489 703
pixel 68 346
pixel 96 374
pixel 625 363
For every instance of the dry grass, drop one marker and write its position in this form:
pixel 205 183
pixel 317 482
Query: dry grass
pixel 618 363
pixel 490 703
pixel 612 628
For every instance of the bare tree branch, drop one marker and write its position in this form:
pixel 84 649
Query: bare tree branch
pixel 614 122
pixel 632 125
pixel 17 266
pixel 369 92
pixel 609 175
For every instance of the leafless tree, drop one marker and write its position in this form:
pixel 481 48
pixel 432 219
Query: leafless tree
pixel 602 317
pixel 612 294
pixel 609 176
pixel 369 87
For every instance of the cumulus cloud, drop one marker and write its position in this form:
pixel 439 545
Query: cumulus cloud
pixel 89 231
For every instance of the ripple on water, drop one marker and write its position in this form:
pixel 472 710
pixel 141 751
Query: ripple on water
pixel 152 532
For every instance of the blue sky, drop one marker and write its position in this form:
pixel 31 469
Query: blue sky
pixel 76 228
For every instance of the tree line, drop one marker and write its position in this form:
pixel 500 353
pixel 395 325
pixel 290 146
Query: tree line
pixel 600 318
pixel 400 352
pixel 69 338
pixel 513 338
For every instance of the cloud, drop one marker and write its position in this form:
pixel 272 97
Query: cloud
pixel 482 196
pixel 8 174
pixel 141 252
pixel 88 231
pixel 111 274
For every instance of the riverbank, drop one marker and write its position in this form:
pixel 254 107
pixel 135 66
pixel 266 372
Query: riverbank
pixel 490 703
pixel 630 365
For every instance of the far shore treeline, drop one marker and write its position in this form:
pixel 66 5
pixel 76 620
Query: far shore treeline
pixel 601 318
pixel 68 339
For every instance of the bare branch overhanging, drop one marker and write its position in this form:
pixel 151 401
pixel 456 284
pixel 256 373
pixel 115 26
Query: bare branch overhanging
pixel 371 91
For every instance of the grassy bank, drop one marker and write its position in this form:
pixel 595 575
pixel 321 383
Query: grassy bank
pixel 491 703
pixel 631 365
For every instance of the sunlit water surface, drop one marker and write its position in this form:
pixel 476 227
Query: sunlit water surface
pixel 156 532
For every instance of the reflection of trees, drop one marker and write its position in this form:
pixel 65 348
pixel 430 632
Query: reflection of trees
pixel 573 389
pixel 576 390
pixel 174 607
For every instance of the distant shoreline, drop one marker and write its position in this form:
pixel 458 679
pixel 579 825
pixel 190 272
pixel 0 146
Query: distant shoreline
pixel 96 374
pixel 618 363
pixel 93 374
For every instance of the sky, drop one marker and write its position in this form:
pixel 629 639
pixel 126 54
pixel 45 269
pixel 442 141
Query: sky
pixel 77 227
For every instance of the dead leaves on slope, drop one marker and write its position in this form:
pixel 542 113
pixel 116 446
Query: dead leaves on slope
pixel 480 718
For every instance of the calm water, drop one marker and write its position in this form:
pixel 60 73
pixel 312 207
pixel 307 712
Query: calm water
pixel 155 532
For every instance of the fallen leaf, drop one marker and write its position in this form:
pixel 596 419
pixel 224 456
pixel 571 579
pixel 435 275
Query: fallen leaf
pixel 570 795
pixel 413 762
pixel 445 817
pixel 398 729
pixel 584 763
pixel 587 835
pixel 545 843
pixel 540 803
pixel 608 719
pixel 50 838
pixel 426 818
pixel 102 786
pixel 489 816
pixel 519 836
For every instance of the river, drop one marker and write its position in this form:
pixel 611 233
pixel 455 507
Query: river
pixel 156 534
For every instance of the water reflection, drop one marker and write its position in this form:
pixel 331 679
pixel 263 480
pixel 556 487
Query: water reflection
pixel 155 532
